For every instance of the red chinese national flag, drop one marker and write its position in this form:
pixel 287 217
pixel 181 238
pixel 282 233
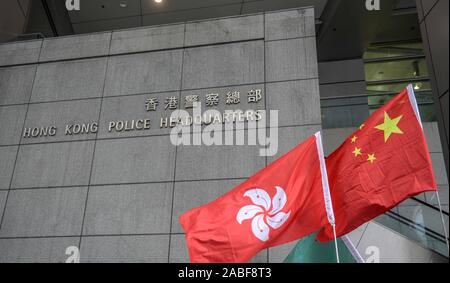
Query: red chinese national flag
pixel 280 204
pixel 380 165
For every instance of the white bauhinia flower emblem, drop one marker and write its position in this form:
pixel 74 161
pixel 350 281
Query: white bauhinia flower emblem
pixel 264 212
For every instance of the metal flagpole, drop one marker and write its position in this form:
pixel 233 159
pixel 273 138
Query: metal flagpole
pixel 413 101
pixel 335 242
pixel 326 190
pixel 442 219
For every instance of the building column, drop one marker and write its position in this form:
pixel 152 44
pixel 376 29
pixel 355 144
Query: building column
pixel 433 17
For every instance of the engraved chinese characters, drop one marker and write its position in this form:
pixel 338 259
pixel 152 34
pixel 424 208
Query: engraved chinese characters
pixel 211 100
pixel 170 103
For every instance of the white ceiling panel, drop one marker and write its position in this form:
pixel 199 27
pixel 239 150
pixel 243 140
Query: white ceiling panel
pixel 150 6
pixel 191 15
pixel 93 10
pixel 106 25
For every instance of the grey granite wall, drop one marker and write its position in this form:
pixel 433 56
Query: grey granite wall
pixel 118 196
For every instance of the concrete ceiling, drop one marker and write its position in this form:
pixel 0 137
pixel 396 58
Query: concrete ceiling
pixel 344 28
pixel 101 15
pixel 349 28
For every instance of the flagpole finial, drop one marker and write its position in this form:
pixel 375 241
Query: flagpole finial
pixel 413 101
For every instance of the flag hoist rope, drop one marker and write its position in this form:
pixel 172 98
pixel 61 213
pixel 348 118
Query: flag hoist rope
pixel 412 99
pixel 326 190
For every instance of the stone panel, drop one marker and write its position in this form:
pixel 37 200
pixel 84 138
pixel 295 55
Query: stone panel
pixel 16 84
pixel 53 165
pixel 129 249
pixel 223 65
pixel 3 196
pixel 290 24
pixel 291 59
pixel 69 80
pixel 71 47
pixel 7 160
pixel 224 30
pixel 218 162
pixel 12 118
pixel 147 39
pixel 178 249
pixel 144 73
pixel 132 209
pixel 133 160
pixel 36 250
pixel 20 52
pixel 297 101
pixel 44 212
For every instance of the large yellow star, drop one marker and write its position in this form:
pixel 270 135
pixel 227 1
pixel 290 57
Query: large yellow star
pixel 390 126
pixel 357 152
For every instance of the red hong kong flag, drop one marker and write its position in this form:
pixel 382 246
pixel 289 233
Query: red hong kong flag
pixel 280 204
pixel 380 165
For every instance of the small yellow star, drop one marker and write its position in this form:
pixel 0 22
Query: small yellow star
pixel 357 151
pixel 390 126
pixel 362 126
pixel 354 139
pixel 371 158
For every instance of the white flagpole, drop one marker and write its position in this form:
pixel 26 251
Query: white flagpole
pixel 413 101
pixel 326 190
pixel 442 219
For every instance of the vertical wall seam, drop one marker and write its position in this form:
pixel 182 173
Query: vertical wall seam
pixel 95 143
pixel 176 147
pixel 20 140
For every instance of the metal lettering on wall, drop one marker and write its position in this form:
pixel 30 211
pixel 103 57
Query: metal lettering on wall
pixel 230 98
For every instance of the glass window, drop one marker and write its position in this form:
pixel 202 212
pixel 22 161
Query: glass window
pixel 374 88
pixel 396 70
pixel 394 50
